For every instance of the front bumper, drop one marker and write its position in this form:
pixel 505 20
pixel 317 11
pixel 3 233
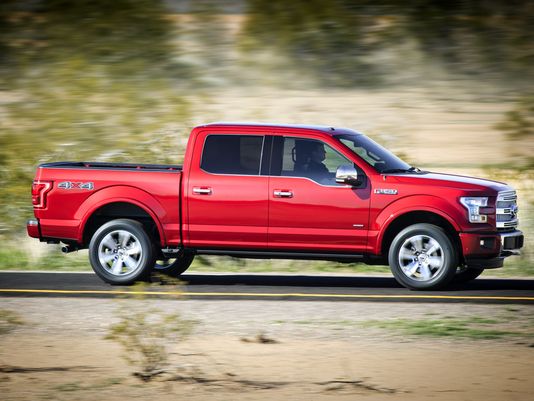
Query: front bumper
pixel 488 251
pixel 33 228
pixel 512 242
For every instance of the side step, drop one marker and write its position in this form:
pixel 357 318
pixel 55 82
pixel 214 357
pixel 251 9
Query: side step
pixel 265 254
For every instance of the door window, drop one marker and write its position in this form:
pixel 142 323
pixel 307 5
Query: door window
pixel 311 159
pixel 232 154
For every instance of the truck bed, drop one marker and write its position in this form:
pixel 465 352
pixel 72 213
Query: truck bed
pixel 112 166
pixel 79 190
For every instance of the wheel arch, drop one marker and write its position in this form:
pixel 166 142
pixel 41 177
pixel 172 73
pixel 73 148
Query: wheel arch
pixel 400 222
pixel 127 202
pixel 120 209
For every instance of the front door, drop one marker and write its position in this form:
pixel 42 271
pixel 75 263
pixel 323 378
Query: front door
pixel 307 208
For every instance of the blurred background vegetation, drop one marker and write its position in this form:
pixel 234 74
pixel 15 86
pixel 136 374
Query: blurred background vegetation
pixel 126 80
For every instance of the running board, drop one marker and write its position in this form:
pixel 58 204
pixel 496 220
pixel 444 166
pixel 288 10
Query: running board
pixel 263 254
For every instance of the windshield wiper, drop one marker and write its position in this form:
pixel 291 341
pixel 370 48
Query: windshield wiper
pixel 402 170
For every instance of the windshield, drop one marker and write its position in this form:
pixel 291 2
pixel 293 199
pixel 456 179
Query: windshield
pixel 381 159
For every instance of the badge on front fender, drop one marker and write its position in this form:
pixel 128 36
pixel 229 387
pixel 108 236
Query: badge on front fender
pixel 386 191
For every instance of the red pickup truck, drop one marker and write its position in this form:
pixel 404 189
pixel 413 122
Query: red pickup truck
pixel 277 191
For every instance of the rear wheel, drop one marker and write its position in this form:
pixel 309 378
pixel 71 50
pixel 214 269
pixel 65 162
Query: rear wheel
pixel 422 257
pixel 121 252
pixel 173 267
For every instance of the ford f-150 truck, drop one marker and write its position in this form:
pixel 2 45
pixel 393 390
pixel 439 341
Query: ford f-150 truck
pixel 277 191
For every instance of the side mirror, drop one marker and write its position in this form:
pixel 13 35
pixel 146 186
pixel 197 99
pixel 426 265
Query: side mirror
pixel 347 174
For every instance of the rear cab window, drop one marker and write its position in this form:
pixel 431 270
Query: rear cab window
pixel 232 154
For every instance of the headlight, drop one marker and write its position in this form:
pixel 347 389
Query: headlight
pixel 473 205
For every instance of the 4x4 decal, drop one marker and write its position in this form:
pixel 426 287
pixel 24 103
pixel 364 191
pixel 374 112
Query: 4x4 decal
pixel 76 185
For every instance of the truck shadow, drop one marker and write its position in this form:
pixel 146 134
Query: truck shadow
pixel 290 281
pixel 480 284
pixel 488 284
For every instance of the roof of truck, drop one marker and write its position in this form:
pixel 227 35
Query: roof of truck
pixel 323 128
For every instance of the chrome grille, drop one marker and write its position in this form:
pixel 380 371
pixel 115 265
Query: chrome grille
pixel 506 210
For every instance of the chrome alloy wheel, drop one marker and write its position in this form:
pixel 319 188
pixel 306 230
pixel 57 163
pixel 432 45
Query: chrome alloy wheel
pixel 421 258
pixel 120 253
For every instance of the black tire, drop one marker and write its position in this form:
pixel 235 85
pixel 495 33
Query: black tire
pixel 465 274
pixel 174 267
pixel 423 270
pixel 121 252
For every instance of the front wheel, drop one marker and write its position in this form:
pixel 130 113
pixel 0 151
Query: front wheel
pixel 422 257
pixel 121 252
pixel 465 274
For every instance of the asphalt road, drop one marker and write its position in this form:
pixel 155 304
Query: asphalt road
pixel 274 287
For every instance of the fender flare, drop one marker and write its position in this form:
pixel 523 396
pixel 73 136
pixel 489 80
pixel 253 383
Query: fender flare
pixel 407 205
pixel 115 194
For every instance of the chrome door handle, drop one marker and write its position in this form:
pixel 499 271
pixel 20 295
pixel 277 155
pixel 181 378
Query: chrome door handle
pixel 282 194
pixel 202 190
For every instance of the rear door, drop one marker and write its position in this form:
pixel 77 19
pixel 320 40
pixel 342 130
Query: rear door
pixel 308 209
pixel 227 201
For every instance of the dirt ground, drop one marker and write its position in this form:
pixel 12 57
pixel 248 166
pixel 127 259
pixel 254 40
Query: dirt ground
pixel 320 351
